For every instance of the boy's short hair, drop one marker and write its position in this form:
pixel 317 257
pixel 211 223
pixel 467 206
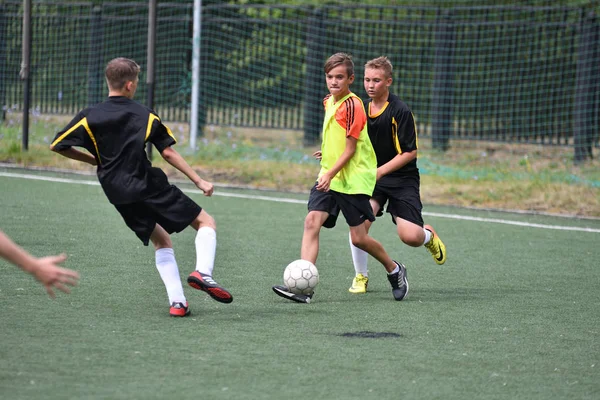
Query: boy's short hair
pixel 381 63
pixel 340 59
pixel 119 71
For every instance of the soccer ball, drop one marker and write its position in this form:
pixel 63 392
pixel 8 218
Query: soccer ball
pixel 301 277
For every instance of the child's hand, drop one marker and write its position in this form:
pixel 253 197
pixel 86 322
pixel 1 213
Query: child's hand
pixel 323 183
pixel 48 271
pixel 317 154
pixel 206 187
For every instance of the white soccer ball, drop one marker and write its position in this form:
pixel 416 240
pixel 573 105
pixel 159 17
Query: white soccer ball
pixel 301 277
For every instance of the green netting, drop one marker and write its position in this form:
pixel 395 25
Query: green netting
pixel 505 73
pixel 71 44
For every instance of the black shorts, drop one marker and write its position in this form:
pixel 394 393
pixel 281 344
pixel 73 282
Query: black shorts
pixel 403 197
pixel 355 207
pixel 171 209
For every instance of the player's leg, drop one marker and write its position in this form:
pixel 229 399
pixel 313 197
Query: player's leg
pixel 434 245
pixel 409 233
pixel 396 272
pixel 169 271
pixel 309 251
pixel 416 236
pixel 205 242
pixel 360 257
pixel 406 209
pixel 310 237
pixel 357 210
pixel 322 212
pixel 361 239
pixel 174 211
pixel 140 218
pixel 206 247
pixel 358 213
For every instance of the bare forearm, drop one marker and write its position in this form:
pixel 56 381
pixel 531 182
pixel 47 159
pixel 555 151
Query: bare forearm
pixel 174 158
pixel 177 161
pixel 13 253
pixel 396 163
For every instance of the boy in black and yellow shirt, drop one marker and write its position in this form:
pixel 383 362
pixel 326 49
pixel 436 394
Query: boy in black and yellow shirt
pixel 115 134
pixel 393 133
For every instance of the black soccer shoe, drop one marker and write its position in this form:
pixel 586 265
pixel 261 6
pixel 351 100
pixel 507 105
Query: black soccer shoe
pixel 286 294
pixel 399 282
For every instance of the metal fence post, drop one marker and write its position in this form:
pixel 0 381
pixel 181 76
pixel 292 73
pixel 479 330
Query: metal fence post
pixel 95 80
pixel 313 81
pixel 3 77
pixel 441 98
pixel 26 71
pixel 197 119
pixel 586 83
pixel 596 83
pixel 151 61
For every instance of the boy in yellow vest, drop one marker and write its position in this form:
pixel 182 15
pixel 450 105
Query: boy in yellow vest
pixel 347 178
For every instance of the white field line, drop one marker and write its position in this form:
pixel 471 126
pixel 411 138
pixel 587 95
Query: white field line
pixel 296 201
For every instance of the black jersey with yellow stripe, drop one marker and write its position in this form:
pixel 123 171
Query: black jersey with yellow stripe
pixel 393 131
pixel 115 132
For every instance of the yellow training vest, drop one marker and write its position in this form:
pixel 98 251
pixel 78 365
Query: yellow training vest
pixel 359 174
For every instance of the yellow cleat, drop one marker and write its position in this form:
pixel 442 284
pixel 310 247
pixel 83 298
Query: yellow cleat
pixel 435 246
pixel 359 284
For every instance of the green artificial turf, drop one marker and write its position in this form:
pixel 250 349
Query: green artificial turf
pixel 513 314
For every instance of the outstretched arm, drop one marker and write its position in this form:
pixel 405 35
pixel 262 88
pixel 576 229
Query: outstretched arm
pixel 174 158
pixel 75 154
pixel 45 269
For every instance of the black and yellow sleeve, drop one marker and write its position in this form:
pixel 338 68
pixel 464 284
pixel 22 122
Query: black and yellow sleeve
pixel 159 134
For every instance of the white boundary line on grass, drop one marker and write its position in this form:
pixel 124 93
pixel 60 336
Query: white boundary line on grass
pixel 296 201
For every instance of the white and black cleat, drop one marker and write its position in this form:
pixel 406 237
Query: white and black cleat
pixel 286 294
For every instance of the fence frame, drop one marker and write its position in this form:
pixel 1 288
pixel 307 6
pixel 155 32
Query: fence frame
pixel 585 100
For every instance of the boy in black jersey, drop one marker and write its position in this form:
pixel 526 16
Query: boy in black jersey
pixel 392 131
pixel 115 133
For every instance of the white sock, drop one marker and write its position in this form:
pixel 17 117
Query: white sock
pixel 169 273
pixel 397 269
pixel 206 247
pixel 427 236
pixel 360 258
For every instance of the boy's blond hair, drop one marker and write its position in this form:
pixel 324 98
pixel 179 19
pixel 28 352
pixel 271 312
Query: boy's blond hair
pixel 340 59
pixel 381 63
pixel 119 71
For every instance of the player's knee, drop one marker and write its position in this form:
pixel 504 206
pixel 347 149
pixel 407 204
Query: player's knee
pixel 312 222
pixel 210 222
pixel 204 219
pixel 162 242
pixel 360 241
pixel 411 238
